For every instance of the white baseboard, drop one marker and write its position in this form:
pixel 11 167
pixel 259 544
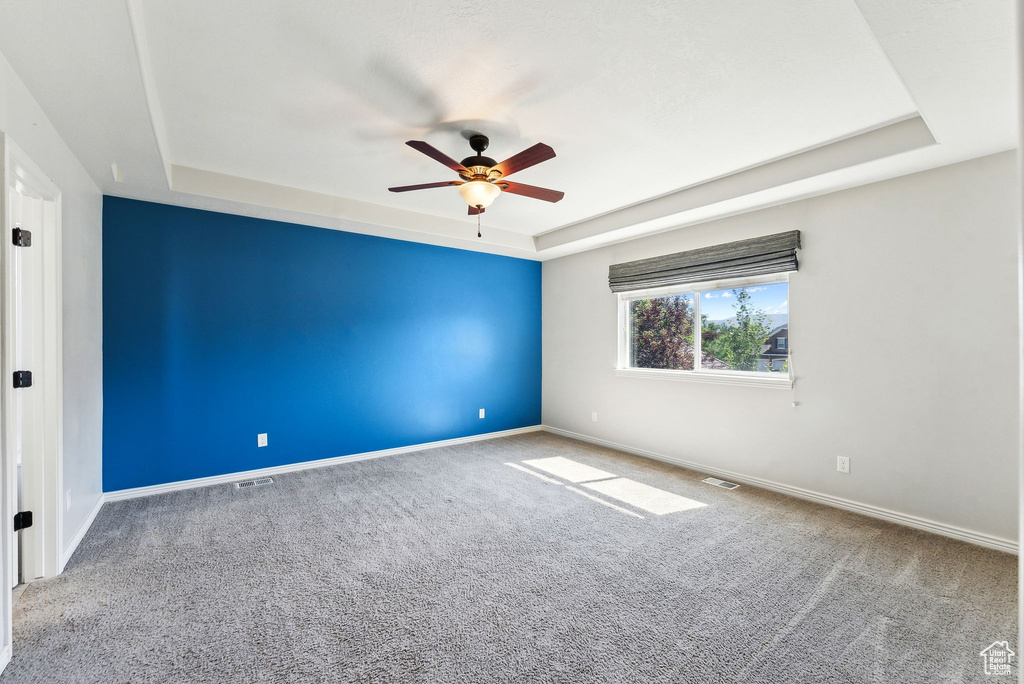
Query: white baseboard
pixel 979 538
pixel 5 657
pixel 66 554
pixel 135 492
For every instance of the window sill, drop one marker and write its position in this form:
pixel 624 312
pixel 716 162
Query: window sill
pixel 717 378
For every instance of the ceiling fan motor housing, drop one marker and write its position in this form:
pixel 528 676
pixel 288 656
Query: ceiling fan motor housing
pixel 479 166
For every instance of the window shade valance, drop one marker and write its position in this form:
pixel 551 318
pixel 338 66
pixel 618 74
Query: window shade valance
pixel 756 256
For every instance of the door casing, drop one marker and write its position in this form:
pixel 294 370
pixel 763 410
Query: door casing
pixel 20 174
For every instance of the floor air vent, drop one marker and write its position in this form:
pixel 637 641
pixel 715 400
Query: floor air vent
pixel 720 483
pixel 254 483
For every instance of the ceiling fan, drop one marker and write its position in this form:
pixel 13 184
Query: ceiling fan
pixel 483 179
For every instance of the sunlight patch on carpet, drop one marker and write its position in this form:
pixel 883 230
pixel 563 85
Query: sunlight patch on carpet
pixel 568 469
pixel 609 504
pixel 535 474
pixel 644 497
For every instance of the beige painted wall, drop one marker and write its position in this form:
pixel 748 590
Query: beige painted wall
pixel 903 321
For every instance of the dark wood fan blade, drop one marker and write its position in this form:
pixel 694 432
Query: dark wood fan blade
pixel 531 191
pixel 473 211
pixel 525 159
pixel 436 154
pixel 424 186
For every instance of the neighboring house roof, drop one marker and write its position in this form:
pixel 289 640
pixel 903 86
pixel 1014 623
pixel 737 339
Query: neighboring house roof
pixel 710 362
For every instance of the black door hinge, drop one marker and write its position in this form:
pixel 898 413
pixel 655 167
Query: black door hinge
pixel 21 237
pixel 22 379
pixel 22 520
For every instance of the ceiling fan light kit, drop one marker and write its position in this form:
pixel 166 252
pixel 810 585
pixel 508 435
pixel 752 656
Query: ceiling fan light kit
pixel 483 178
pixel 479 194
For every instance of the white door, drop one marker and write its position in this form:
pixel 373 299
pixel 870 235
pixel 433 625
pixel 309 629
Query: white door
pixel 28 215
pixel 30 417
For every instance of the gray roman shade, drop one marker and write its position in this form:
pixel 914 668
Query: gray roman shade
pixel 756 256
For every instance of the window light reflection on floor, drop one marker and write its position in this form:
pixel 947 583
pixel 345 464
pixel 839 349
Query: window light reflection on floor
pixel 635 494
pixel 568 469
pixel 609 504
pixel 644 497
pixel 535 474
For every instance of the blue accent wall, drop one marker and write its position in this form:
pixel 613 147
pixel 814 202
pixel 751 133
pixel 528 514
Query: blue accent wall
pixel 219 327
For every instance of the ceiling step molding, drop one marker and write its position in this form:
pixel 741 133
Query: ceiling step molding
pixel 156 114
pixel 767 184
pixel 346 214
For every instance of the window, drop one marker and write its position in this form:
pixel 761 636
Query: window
pixel 735 329
pixel 661 332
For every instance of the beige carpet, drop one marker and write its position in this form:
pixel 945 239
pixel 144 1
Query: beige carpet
pixel 451 566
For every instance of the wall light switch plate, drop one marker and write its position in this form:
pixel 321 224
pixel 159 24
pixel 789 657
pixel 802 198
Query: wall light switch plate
pixel 593 416
pixel 843 464
pixel 481 413
pixel 261 439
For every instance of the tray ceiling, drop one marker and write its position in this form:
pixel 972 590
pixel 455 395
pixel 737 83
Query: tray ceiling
pixel 299 110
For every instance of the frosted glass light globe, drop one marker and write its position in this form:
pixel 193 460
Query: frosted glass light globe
pixel 479 193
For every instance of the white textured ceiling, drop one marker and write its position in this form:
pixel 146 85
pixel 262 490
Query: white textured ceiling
pixel 299 110
pixel 636 98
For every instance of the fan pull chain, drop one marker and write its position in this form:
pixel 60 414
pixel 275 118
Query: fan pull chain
pixel 479 210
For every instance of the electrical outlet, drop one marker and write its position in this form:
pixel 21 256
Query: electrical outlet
pixel 843 464
pixel 481 413
pixel 261 439
pixel 593 416
pixel 67 500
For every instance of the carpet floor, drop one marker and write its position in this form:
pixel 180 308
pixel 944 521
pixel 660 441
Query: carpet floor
pixel 581 564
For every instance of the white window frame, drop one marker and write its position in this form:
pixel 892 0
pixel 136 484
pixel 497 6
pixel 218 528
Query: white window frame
pixel 782 343
pixel 775 380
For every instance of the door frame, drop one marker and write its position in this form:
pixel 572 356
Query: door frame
pixel 18 170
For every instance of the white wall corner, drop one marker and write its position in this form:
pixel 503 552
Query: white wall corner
pixel 72 546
